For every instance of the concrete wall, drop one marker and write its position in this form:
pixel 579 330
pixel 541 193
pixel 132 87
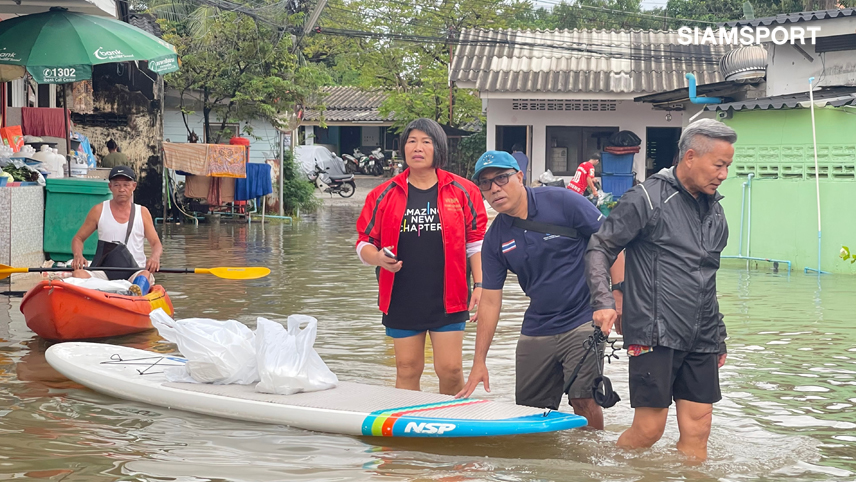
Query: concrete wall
pixel 777 147
pixel 22 215
pixel 266 147
pixel 628 115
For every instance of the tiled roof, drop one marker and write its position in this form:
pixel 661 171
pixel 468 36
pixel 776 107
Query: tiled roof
pixel 349 104
pixel 555 61
pixel 835 97
pixel 145 22
pixel 794 17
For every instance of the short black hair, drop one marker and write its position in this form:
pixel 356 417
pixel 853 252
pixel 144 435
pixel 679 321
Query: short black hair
pixel 594 155
pixel 111 145
pixel 438 137
pixel 517 147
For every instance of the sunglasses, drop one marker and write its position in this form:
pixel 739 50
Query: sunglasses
pixel 500 180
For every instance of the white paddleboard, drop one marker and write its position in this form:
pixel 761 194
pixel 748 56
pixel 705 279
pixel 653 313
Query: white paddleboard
pixel 350 408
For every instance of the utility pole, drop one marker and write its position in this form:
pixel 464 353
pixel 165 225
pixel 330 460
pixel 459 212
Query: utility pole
pixel 451 83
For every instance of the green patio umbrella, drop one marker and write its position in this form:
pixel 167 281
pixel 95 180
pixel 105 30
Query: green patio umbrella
pixel 59 47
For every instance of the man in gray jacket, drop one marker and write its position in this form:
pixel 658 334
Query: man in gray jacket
pixel 673 229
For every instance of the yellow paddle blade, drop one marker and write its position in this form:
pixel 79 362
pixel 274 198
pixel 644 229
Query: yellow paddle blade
pixel 6 271
pixel 235 273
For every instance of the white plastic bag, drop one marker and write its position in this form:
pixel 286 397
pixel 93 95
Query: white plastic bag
pixel 287 362
pixel 218 352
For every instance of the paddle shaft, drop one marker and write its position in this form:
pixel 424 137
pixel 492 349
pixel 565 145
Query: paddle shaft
pixel 247 272
pixel 99 268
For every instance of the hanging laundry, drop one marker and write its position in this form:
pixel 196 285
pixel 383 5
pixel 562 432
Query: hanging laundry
pixel 192 158
pixel 43 121
pixel 227 161
pixel 198 187
pixel 214 193
pixel 257 183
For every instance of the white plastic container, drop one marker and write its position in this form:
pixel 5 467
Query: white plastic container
pixel 79 167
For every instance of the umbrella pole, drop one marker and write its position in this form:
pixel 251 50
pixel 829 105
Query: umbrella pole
pixel 67 135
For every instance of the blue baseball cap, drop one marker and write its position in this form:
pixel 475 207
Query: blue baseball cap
pixel 498 159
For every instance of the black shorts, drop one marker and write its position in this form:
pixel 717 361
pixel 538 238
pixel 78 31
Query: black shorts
pixel 664 374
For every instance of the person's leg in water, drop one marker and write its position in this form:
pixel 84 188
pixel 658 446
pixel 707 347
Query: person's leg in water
pixel 409 361
pixel 571 348
pixel 448 358
pixel 651 375
pixel 694 420
pixel 647 428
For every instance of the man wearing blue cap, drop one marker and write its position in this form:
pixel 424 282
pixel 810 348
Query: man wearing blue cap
pixel 540 235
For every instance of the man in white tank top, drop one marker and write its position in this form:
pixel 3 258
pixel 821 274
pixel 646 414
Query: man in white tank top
pixel 111 218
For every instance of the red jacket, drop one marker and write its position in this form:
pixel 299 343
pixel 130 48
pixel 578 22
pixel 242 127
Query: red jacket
pixel 462 217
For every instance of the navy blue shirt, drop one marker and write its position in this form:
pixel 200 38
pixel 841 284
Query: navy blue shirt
pixel 550 268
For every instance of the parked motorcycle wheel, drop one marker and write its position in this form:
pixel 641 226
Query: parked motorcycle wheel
pixel 351 168
pixel 378 170
pixel 347 189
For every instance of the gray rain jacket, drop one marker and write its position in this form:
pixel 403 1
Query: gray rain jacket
pixel 672 255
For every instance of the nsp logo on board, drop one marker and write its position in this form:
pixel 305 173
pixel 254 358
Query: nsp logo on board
pixel 429 428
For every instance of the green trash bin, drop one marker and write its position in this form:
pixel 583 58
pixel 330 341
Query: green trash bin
pixel 68 202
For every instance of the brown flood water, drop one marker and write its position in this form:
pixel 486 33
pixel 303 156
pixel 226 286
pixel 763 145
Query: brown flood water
pixel 788 409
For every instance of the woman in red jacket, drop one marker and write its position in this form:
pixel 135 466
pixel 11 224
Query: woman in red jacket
pixel 433 222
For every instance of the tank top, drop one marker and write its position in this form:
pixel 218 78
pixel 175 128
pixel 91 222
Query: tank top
pixel 110 230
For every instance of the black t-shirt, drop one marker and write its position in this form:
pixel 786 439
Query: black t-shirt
pixel 417 301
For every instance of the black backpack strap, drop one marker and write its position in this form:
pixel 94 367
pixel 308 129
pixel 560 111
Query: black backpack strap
pixel 545 228
pixel 130 223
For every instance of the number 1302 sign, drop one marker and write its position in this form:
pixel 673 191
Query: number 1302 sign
pixel 60 75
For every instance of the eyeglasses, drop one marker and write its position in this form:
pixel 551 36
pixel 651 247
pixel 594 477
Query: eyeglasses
pixel 500 180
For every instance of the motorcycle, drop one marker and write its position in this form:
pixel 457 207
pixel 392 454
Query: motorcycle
pixel 354 164
pixel 334 183
pixel 376 161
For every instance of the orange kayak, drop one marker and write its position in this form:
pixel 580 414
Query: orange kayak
pixel 62 312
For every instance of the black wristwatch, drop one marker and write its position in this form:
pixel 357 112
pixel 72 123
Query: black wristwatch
pixel 618 287
pixel 477 285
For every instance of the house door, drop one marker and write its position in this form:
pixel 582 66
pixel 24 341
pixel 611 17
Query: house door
pixel 661 148
pixel 507 137
pixel 350 138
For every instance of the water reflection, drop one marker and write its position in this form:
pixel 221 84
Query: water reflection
pixel 788 387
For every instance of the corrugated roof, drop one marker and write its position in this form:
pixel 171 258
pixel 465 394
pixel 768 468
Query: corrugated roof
pixel 349 104
pixel 581 61
pixel 794 17
pixel 717 89
pixel 835 97
pixel 145 22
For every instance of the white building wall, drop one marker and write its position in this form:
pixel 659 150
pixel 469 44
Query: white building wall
pixel 788 70
pixel 260 149
pixel 629 115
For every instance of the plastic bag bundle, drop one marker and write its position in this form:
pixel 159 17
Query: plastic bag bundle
pixel 218 352
pixel 624 139
pixel 287 361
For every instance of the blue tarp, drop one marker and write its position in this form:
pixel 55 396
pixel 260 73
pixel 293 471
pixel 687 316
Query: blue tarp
pixel 256 184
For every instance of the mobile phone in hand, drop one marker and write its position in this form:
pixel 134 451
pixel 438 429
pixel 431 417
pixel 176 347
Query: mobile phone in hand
pixel 388 253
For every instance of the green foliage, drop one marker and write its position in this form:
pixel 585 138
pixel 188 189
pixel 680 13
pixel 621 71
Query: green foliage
pixel 297 191
pixel 234 68
pixel 845 255
pixel 469 151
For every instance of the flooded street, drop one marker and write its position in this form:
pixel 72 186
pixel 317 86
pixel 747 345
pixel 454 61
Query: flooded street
pixel 789 385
